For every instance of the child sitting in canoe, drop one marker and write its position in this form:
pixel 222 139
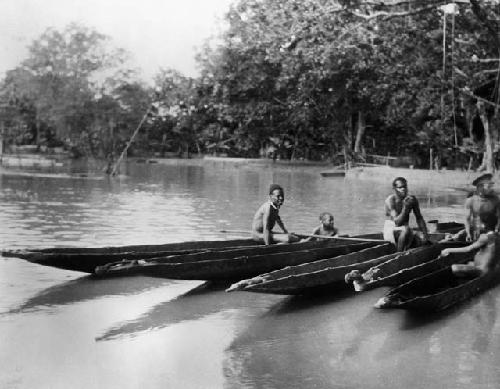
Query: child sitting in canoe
pixel 487 246
pixel 326 228
pixel 267 216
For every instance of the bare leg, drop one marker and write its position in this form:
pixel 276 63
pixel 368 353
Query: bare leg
pixel 285 238
pixel 276 238
pixel 404 239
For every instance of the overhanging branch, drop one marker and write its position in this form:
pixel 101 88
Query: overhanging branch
pixel 473 95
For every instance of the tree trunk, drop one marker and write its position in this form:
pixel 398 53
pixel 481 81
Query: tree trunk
pixel 361 126
pixel 37 128
pixel 488 163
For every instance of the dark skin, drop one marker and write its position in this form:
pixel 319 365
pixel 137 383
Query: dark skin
pixel 265 219
pixel 485 259
pixel 484 201
pixel 398 208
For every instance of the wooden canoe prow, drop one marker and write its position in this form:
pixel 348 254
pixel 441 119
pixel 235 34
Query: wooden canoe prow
pixel 401 267
pixel 229 267
pixel 88 259
pixel 318 276
pixel 437 291
pixel 176 246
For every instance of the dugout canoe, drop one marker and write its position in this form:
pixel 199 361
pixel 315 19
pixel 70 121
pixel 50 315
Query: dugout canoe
pixel 319 276
pixel 400 267
pixel 111 250
pixel 175 252
pixel 437 291
pixel 86 259
pixel 224 266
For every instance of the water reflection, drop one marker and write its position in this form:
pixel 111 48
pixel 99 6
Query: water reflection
pixel 206 300
pixel 298 344
pixel 88 288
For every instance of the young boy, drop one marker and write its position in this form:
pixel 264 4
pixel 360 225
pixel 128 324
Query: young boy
pixel 326 227
pixel 267 216
pixel 487 246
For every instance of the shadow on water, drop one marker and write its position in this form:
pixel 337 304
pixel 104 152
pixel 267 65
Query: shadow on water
pixel 309 301
pixel 89 288
pixel 205 300
pixel 426 326
pixel 417 320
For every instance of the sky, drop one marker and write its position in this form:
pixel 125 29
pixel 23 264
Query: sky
pixel 157 33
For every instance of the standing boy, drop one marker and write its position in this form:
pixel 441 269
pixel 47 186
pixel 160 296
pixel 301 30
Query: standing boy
pixel 267 216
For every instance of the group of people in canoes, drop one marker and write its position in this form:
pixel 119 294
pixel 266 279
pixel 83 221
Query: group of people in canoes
pixel 482 224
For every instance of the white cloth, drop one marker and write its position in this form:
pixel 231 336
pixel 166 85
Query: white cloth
pixel 389 228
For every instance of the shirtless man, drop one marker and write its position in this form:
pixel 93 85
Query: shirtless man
pixel 487 246
pixel 267 216
pixel 398 207
pixel 483 202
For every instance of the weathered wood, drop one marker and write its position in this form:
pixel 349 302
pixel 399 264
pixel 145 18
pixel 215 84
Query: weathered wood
pixel 397 268
pixel 325 274
pixel 437 291
pixel 176 246
pixel 88 262
pixel 231 268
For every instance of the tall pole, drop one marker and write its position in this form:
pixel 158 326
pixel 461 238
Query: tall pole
pixel 117 164
pixel 443 73
pixel 453 78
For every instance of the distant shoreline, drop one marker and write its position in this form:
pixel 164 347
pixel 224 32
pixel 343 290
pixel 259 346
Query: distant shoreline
pixel 443 178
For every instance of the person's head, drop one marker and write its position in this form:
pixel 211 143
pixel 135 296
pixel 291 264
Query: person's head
pixel 488 222
pixel 484 184
pixel 400 186
pixel 326 219
pixel 276 194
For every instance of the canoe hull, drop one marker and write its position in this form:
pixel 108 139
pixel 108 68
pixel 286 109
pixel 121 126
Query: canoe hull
pixel 310 278
pixel 88 262
pixel 176 246
pixel 233 268
pixel 437 291
pixel 88 259
pixel 404 266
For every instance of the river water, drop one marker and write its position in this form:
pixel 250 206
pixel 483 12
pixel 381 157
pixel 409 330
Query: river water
pixel 61 329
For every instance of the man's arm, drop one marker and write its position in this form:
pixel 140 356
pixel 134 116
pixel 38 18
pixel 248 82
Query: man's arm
pixel 482 241
pixel 266 223
pixel 390 210
pixel 279 222
pixel 497 227
pixel 468 219
pixel 420 220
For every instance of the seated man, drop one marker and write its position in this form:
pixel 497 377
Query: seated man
pixel 267 216
pixel 487 246
pixel 398 207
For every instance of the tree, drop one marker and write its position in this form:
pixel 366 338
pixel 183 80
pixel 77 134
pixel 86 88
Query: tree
pixel 61 82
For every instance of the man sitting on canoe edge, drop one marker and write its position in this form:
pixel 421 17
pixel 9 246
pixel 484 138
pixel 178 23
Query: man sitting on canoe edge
pixel 487 246
pixel 398 207
pixel 267 216
pixel 483 201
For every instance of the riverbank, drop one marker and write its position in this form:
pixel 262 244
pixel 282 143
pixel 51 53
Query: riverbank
pixel 383 173
pixel 441 178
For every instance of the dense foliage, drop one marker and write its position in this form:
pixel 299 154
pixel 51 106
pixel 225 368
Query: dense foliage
pixel 313 79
